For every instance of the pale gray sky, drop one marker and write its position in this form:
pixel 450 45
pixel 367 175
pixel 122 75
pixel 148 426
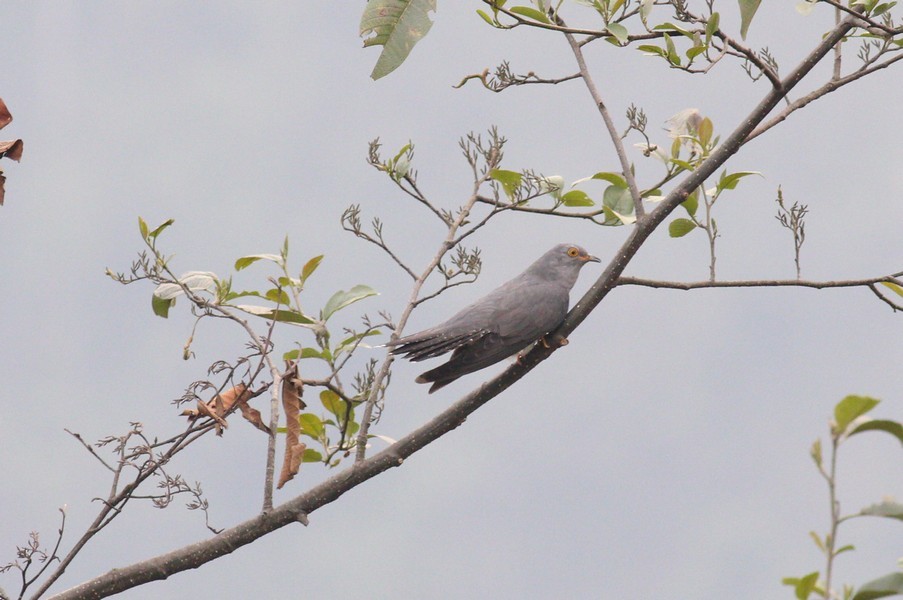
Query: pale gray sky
pixel 662 454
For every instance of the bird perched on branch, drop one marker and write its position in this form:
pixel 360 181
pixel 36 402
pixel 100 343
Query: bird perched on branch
pixel 502 323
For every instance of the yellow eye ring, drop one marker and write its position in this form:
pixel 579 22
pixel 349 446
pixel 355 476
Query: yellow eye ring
pixel 572 252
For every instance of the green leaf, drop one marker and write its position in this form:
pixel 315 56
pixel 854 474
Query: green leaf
pixel 250 259
pixel 818 541
pixel 333 403
pixel 883 8
pixel 311 425
pixel 893 286
pixel 309 267
pixel 895 428
pixel 842 549
pixel 311 456
pixel 887 508
pixel 673 27
pixel 351 340
pixel 298 353
pixel 396 25
pixel 652 49
pixel 673 56
pixel 142 228
pixel 618 199
pixel 153 234
pixel 278 296
pixel 730 181
pixel 510 180
pixel 530 13
pixel 576 198
pixel 612 178
pixel 680 227
pixel 711 27
pixel 705 130
pixel 618 31
pixel 748 10
pixel 806 585
pixel 692 202
pixel 696 51
pixel 486 17
pixel 851 407
pixel 889 585
pixel 281 315
pixel 341 299
pixel 816 453
pixel 161 306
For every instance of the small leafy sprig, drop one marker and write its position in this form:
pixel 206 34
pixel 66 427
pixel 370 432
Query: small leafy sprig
pixel 850 418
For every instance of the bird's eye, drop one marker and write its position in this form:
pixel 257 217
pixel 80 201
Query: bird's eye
pixel 573 251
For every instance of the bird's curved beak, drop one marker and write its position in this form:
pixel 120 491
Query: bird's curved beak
pixel 590 258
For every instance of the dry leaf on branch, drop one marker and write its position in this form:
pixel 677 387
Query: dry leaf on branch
pixel 292 405
pixel 11 150
pixel 220 405
pixel 5 116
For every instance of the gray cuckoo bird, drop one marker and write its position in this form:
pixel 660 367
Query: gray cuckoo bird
pixel 502 323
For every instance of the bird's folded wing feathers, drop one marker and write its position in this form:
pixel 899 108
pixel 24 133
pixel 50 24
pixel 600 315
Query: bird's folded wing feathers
pixel 434 342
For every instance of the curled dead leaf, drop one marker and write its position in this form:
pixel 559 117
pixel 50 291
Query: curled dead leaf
pixel 292 404
pixel 218 407
pixel 11 150
pixel 5 116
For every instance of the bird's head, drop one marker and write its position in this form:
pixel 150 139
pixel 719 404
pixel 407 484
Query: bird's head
pixel 563 262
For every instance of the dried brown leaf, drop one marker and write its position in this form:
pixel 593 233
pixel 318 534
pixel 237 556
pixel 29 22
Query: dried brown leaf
pixel 292 404
pixel 252 415
pixel 225 401
pixel 2 191
pixel 11 150
pixel 5 116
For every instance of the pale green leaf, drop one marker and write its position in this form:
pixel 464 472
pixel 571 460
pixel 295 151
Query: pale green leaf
pixel 680 227
pixel 396 25
pixel 691 203
pixel 576 198
pixel 889 585
pixel 711 27
pixel 311 456
pixel 612 178
pixel 619 32
pixel 748 10
pixel 851 407
pixel 309 267
pixel 153 234
pixel 333 403
pixel 250 259
pixel 510 180
pixel 341 299
pixel 897 289
pixel 282 315
pixel 729 181
pixel 652 50
pixel 887 508
pixel 311 425
pixel 895 428
pixel 530 13
pixel 161 306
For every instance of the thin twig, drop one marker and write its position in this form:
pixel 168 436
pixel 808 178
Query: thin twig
pixel 627 172
pixel 827 88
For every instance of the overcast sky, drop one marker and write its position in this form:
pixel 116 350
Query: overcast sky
pixel 662 454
